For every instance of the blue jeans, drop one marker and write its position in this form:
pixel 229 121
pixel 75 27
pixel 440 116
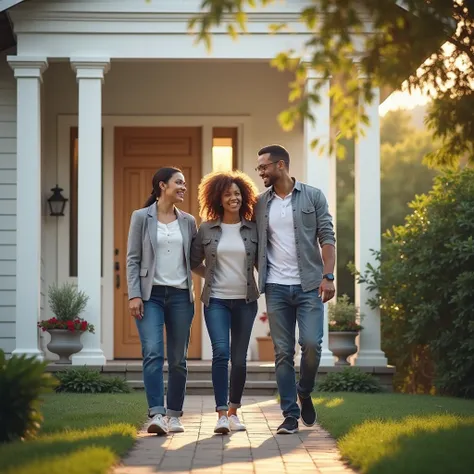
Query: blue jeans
pixel 236 317
pixel 172 308
pixel 286 305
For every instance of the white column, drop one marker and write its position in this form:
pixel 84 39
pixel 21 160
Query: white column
pixel 367 230
pixel 90 76
pixel 28 72
pixel 321 173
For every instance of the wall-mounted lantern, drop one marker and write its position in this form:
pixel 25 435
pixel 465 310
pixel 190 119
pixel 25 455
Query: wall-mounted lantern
pixel 57 202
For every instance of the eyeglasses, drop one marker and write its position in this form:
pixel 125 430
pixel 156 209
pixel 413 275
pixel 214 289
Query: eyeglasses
pixel 260 168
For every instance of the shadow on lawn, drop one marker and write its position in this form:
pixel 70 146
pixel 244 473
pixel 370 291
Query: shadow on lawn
pixel 102 446
pixel 391 434
pixel 422 452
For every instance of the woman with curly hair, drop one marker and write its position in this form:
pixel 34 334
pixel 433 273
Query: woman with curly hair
pixel 227 241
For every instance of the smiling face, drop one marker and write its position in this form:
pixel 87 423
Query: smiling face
pixel 231 199
pixel 174 189
pixel 269 169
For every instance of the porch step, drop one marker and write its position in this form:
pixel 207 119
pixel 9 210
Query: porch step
pixel 204 387
pixel 260 375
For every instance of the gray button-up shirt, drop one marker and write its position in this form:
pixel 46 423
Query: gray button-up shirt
pixel 312 224
pixel 204 246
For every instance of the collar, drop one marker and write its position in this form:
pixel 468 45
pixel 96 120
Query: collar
pixel 153 212
pixel 218 222
pixel 296 187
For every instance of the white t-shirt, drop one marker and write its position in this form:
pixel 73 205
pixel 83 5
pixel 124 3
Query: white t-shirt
pixel 230 277
pixel 281 248
pixel 170 267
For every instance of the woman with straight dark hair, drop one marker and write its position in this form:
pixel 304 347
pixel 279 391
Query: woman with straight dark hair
pixel 160 291
pixel 227 241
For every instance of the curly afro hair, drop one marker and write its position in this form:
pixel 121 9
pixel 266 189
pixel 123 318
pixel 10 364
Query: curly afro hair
pixel 213 185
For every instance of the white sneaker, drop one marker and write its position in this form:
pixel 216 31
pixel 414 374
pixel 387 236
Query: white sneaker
pixel 222 426
pixel 175 425
pixel 235 424
pixel 158 425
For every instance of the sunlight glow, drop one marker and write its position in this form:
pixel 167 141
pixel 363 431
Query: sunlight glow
pixel 222 154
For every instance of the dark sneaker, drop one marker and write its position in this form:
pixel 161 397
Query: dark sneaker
pixel 289 426
pixel 308 413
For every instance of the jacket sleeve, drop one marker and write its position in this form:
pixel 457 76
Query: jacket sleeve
pixel 134 256
pixel 197 250
pixel 326 235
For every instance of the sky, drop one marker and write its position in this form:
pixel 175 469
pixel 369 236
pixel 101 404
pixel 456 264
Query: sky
pixel 403 100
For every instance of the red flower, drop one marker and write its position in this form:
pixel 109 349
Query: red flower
pixel 83 325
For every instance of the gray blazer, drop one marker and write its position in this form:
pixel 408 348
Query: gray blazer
pixel 142 248
pixel 205 245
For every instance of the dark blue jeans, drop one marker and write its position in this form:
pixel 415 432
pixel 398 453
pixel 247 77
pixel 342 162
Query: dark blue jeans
pixel 168 307
pixel 286 305
pixel 235 317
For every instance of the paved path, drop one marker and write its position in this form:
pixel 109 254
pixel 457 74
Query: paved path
pixel 258 450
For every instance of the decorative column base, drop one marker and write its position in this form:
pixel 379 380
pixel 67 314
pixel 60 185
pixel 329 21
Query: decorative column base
pixel 89 356
pixel 371 358
pixel 36 353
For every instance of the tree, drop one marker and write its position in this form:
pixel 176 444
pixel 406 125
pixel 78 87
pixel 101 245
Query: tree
pixel 425 288
pixel 426 43
pixel 403 176
pixel 394 126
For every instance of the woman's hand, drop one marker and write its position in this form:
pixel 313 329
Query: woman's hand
pixel 136 307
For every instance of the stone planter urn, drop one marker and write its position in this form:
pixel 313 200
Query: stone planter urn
pixel 265 349
pixel 64 343
pixel 342 345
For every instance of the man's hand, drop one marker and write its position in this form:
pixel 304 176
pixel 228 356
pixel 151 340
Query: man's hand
pixel 326 290
pixel 136 308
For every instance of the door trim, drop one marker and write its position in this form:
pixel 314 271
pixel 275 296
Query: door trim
pixel 58 237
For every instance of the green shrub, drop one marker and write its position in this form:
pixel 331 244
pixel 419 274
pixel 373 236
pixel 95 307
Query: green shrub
pixel 84 380
pixel 115 385
pixel 350 379
pixel 425 288
pixel 22 381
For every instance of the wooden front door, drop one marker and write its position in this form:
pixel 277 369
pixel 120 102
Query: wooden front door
pixel 139 152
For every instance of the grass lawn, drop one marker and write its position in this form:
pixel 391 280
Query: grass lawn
pixel 394 433
pixel 81 434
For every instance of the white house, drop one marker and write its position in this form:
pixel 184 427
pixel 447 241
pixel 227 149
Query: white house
pixel 126 77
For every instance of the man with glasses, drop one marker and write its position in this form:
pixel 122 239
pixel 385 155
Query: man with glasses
pixel 296 275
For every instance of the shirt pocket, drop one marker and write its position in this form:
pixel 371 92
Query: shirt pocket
pixel 308 216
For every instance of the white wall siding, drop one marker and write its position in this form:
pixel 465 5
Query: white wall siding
pixel 7 205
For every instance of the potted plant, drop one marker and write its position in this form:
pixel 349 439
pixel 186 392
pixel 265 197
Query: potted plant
pixel 265 343
pixel 66 327
pixel 343 328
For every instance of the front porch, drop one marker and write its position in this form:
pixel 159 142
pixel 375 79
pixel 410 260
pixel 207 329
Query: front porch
pixel 64 87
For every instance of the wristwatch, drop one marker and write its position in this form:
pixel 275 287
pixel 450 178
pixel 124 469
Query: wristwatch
pixel 328 276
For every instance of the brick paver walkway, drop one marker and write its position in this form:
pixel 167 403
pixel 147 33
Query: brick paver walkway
pixel 257 450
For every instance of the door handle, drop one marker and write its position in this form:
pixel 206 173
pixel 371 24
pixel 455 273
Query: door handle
pixel 117 280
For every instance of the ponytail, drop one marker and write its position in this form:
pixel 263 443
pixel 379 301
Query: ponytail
pixel 151 199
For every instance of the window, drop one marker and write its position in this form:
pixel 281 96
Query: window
pixel 73 201
pixel 224 148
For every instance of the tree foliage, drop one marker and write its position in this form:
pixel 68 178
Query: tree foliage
pixel 427 44
pixel 425 288
pixel 403 176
